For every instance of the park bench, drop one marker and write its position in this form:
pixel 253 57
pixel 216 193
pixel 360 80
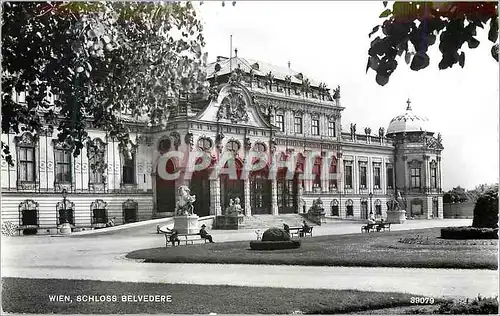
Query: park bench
pixel 295 231
pixel 185 239
pixel 375 227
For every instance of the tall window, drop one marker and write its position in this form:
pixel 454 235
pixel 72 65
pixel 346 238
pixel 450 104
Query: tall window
pixel 378 207
pixel 433 177
pixel 128 168
pixel 317 173
pixel 332 182
pixel 315 127
pixel 96 155
pixel 331 129
pixel 27 164
pixel 298 124
pixel 390 181
pixel 376 177
pixel 415 177
pixel 349 208
pixel 362 177
pixel 335 208
pixel 63 165
pixel 280 122
pixel 233 146
pixel 348 177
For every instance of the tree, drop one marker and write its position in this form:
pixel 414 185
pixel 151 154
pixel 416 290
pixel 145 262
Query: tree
pixel 455 195
pixel 101 59
pixel 486 209
pixel 474 194
pixel 412 27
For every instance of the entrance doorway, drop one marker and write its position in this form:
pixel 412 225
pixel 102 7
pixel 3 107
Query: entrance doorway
pixel 287 195
pixel 165 191
pixel 364 209
pixel 232 188
pixel 260 192
pixel 200 186
pixel 435 213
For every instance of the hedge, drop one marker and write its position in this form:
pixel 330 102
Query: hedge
pixel 467 232
pixel 274 245
pixel 275 234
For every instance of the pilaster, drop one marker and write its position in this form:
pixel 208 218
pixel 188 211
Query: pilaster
pixel 215 208
pixel 274 197
pixel 246 189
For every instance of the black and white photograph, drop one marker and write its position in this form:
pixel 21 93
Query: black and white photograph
pixel 249 157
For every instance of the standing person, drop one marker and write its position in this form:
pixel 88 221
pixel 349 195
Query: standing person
pixel 305 229
pixel 286 228
pixel 204 234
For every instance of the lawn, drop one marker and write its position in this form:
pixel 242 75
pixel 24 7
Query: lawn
pixel 32 296
pixel 411 249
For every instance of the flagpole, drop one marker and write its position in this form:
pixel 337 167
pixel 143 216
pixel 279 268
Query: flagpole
pixel 230 53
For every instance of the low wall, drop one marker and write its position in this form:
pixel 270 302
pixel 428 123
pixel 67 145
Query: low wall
pixel 207 220
pixel 458 210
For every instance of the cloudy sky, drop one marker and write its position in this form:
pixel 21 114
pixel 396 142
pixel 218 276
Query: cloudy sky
pixel 328 41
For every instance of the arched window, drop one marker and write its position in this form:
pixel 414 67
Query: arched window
pixel 26 166
pixel 332 182
pixel 63 162
pixel 350 207
pixel 164 145
pixel 128 155
pixel 260 147
pixel 65 212
pixel 205 143
pixel 233 145
pixel 96 152
pixel 335 208
pixel 378 207
pixel 28 214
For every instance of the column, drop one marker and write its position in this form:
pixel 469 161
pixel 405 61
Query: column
pixel 215 208
pixel 427 172
pixel 325 170
pixel 440 179
pixel 340 181
pixel 383 176
pixel 407 178
pixel 355 175
pixel 246 190
pixel 369 175
pixel 274 196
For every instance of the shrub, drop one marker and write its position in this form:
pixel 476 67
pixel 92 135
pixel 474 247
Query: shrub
pixel 486 209
pixel 274 245
pixel 466 232
pixel 275 234
pixel 478 306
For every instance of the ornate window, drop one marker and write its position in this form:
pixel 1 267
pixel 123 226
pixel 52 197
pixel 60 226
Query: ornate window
pixel 62 158
pixel 128 164
pixel 280 122
pixel 233 145
pixel 348 176
pixel 28 214
pixel 331 128
pixel 164 145
pixel 376 176
pixel 415 177
pixel 260 147
pixel 205 143
pixel 297 124
pixel 65 212
pixel 349 207
pixel 335 208
pixel 315 126
pixel 129 211
pixel 99 213
pixel 433 170
pixel 362 176
pixel 317 172
pixel 332 182
pixel 26 166
pixel 378 207
pixel 96 155
pixel 390 177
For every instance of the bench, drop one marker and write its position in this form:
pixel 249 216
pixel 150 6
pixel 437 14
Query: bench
pixel 295 231
pixel 185 238
pixel 375 227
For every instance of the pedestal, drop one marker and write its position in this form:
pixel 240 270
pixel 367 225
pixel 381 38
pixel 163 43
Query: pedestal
pixel 65 229
pixel 396 217
pixel 186 224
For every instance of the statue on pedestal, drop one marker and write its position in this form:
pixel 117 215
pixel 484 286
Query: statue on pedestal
pixel 234 207
pixel 185 200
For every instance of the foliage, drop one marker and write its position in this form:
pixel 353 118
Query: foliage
pixel 412 27
pixel 9 229
pixel 467 232
pixel 474 194
pixel 455 195
pixel 486 209
pixel 274 245
pixel 101 59
pixel 275 234
pixel 477 306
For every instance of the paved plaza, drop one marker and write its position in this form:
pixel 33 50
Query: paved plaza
pixel 101 256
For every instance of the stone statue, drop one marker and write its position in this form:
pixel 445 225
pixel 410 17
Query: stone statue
pixel 381 132
pixel 234 207
pixel 185 200
pixel 336 93
pixel 353 129
pixel 237 206
pixel 368 130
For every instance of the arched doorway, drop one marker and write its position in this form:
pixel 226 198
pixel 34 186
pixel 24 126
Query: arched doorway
pixel 165 191
pixel 435 205
pixel 232 188
pixel 364 208
pixel 200 186
pixel 260 192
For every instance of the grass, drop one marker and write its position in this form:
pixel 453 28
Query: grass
pixel 21 295
pixel 377 249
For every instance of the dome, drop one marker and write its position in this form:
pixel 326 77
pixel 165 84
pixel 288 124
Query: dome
pixel 408 122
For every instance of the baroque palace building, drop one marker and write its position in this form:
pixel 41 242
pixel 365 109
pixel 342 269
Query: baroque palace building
pixel 253 106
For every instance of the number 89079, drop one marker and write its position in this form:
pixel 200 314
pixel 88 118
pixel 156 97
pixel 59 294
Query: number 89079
pixel 422 300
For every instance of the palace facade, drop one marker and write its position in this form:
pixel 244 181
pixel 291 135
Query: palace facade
pixel 253 106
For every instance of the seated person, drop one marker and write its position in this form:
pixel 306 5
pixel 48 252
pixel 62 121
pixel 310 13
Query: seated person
pixel 381 225
pixel 305 229
pixel 371 220
pixel 204 234
pixel 174 236
pixel 286 228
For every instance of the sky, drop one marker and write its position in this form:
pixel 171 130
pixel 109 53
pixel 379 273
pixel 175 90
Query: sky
pixel 328 41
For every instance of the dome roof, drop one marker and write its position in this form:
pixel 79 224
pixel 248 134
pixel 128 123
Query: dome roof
pixel 409 122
